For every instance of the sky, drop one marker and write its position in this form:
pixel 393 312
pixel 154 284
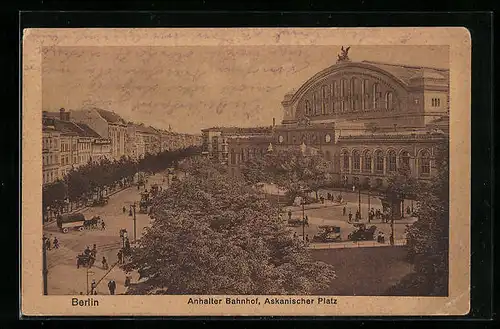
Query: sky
pixel 191 88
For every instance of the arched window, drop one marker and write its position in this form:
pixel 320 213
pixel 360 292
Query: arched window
pixel 308 107
pixel 315 103
pixel 367 161
pixel 355 91
pixel 328 156
pixel 375 92
pixel 388 101
pixel 405 160
pixel 324 100
pixel 345 160
pixel 425 163
pixel 365 96
pixel 343 88
pixel 391 161
pixel 332 97
pixel 356 161
pixel 379 161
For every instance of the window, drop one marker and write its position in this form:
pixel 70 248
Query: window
pixel 365 104
pixel 436 102
pixel 328 156
pixel 379 161
pixel 324 99
pixel 355 94
pixel 388 101
pixel 391 160
pixel 356 159
pixel 333 86
pixel 405 160
pixel 425 163
pixel 308 107
pixel 315 100
pixel 345 160
pixel 343 87
pixel 367 161
pixel 375 96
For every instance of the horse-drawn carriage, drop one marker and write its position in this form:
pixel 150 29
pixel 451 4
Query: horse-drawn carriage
pixel 85 260
pixel 78 222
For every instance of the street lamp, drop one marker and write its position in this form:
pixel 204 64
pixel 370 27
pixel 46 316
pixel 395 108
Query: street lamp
pixel 133 207
pixel 303 219
pixel 45 270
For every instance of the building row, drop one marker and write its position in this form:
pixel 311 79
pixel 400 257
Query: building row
pixel 75 138
pixel 366 119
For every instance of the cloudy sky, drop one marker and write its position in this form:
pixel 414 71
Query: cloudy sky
pixel 191 88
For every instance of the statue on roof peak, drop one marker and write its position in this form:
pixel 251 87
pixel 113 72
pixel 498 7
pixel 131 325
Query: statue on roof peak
pixel 343 56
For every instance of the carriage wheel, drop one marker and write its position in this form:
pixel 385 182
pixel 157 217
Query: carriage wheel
pixel 65 230
pixel 81 228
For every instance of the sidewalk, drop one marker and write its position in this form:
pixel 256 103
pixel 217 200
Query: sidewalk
pixel 318 205
pixel 355 244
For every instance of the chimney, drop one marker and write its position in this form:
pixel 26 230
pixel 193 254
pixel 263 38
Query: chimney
pixel 274 122
pixel 62 114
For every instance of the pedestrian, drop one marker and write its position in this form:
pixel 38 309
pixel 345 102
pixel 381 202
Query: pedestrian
pixel 343 211
pixel 104 263
pixel 120 256
pixel 47 244
pixel 111 287
pixel 127 244
pixel 92 287
pixel 56 243
pixel 127 280
pixel 103 225
pixel 350 216
pixel 138 187
pixel 124 209
pixel 93 252
pixel 307 238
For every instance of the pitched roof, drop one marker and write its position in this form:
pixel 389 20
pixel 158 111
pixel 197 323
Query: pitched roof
pixel 110 116
pixel 87 131
pixel 407 72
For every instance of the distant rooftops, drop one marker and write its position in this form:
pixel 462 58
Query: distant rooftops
pixel 241 130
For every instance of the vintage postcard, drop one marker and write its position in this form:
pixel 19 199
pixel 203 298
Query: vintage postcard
pixel 253 172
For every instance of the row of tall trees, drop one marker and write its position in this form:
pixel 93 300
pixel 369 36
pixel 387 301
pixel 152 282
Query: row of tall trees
pixel 92 179
pixel 214 234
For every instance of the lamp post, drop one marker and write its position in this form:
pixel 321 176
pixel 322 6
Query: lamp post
pixel 132 207
pixel 45 271
pixel 303 220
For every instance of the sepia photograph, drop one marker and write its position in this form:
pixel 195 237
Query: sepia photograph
pixel 239 174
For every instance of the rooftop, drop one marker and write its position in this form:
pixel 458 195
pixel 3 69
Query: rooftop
pixel 242 130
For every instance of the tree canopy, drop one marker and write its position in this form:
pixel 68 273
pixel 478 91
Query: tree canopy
pixel 289 169
pixel 428 238
pixel 214 234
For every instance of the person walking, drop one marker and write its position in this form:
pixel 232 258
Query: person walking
pixel 47 244
pixel 343 211
pixel 103 225
pixel 120 257
pixel 92 287
pixel 350 216
pixel 56 243
pixel 104 263
pixel 124 209
pixel 112 286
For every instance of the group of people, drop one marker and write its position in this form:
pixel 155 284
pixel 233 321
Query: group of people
pixel 372 214
pixel 48 243
pixel 111 287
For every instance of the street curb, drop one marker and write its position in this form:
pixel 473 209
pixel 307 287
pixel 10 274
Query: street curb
pixel 84 208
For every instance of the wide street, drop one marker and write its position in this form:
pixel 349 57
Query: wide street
pixel 63 276
pixel 332 214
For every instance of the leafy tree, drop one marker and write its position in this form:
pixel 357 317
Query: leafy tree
pixel 428 238
pixel 52 196
pixel 289 169
pixel 214 234
pixel 400 185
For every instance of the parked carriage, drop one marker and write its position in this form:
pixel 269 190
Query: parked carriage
pixel 328 233
pixel 361 233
